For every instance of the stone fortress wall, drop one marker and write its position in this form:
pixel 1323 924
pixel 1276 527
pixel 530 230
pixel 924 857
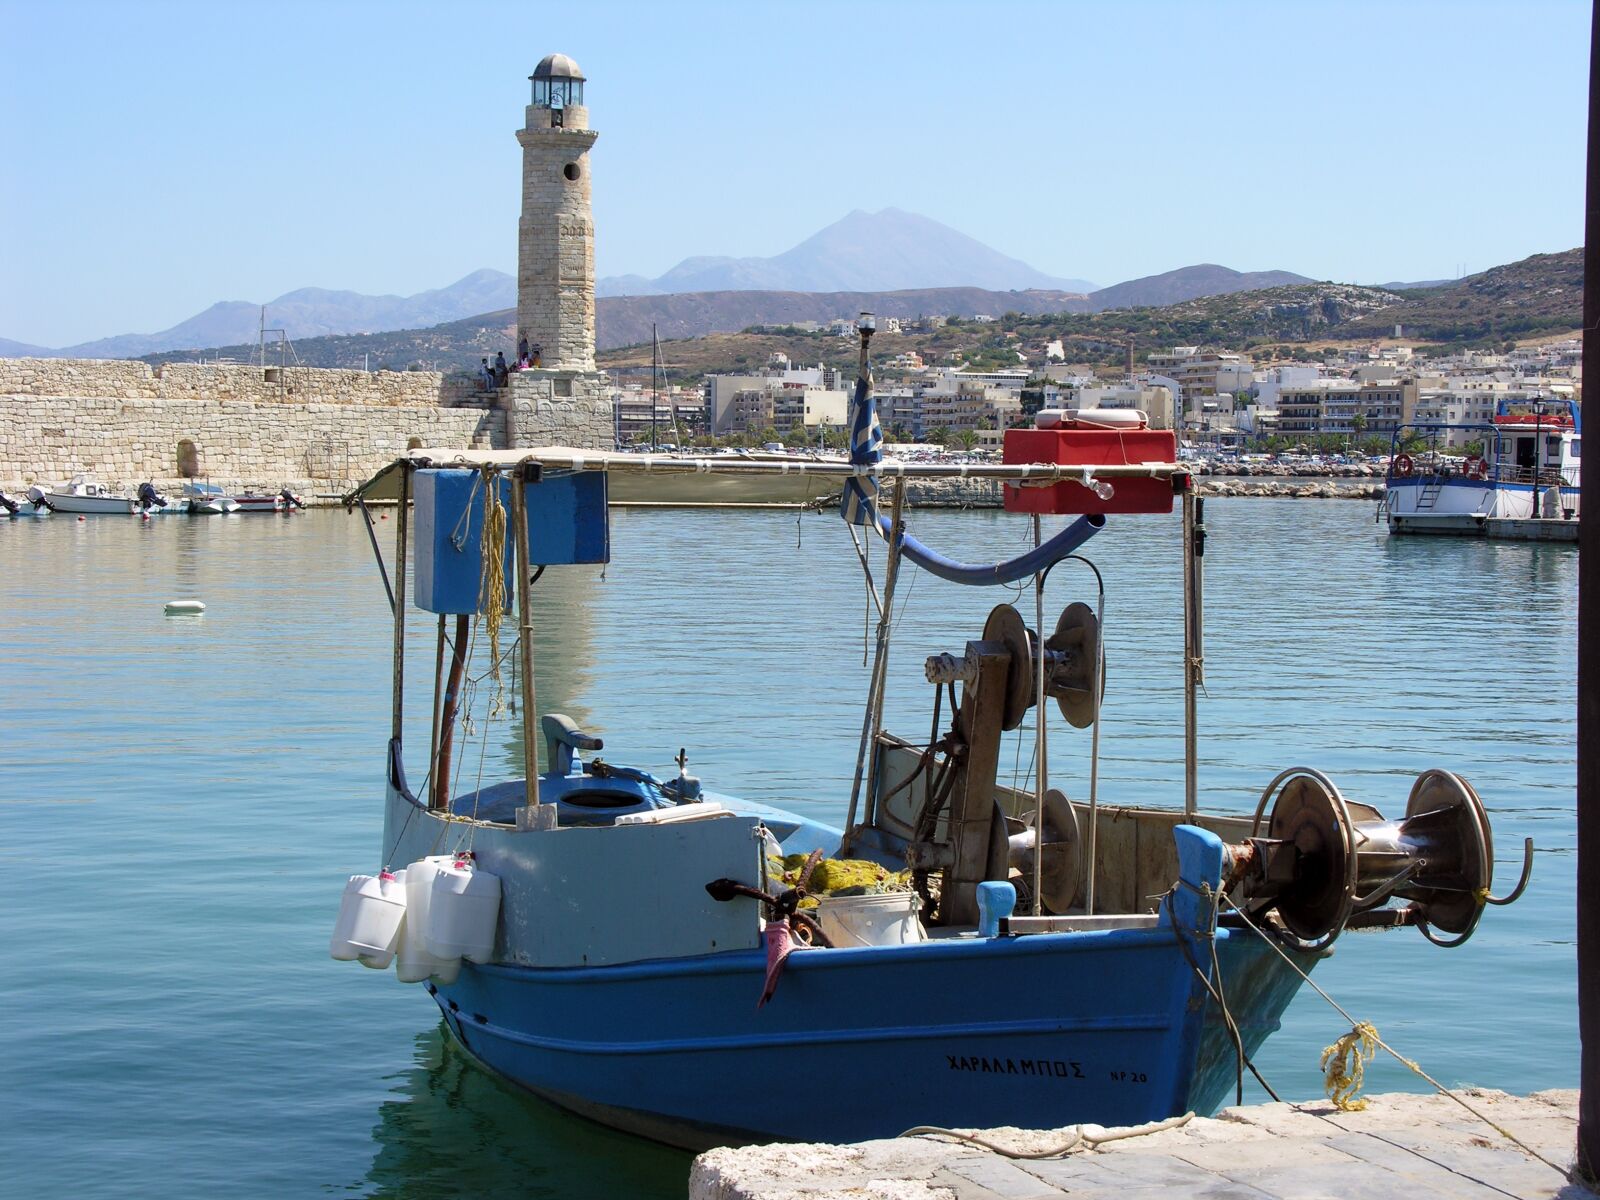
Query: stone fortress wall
pixel 317 431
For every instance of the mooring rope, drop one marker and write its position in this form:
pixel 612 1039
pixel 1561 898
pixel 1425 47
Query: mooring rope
pixel 1344 1062
pixel 1079 1140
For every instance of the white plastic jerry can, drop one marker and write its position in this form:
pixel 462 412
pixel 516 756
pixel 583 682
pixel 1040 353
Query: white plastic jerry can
pixel 340 946
pixel 413 963
pixel 379 932
pixel 369 919
pixel 463 913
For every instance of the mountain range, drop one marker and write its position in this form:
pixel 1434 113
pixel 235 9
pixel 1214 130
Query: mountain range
pixel 862 254
pixel 887 251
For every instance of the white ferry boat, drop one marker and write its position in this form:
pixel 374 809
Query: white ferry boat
pixel 1522 466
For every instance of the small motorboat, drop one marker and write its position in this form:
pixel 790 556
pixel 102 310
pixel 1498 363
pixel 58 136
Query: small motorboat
pixel 209 499
pixel 84 494
pixel 285 501
pixel 21 506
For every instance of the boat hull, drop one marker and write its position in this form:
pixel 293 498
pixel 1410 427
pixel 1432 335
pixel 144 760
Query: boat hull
pixel 1108 1025
pixel 1465 507
pixel 1040 1032
pixel 67 502
pixel 688 490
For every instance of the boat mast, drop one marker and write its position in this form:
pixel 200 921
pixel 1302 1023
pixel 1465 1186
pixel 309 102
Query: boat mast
pixel 655 391
pixel 530 744
pixel 402 521
pixel 1194 673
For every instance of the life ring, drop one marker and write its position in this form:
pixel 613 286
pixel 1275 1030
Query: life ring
pixel 1482 469
pixel 1402 464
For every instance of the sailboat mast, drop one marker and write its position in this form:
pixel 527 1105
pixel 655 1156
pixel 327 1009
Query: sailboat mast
pixel 655 393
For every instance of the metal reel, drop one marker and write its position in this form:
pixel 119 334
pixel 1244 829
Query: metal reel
pixel 1077 634
pixel 1005 625
pixel 1311 814
pixel 1061 872
pixel 1450 801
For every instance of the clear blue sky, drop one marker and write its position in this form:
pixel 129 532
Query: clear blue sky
pixel 158 157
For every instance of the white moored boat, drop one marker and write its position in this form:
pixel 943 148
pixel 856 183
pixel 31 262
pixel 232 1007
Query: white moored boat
pixel 208 499
pixel 84 494
pixel 1521 466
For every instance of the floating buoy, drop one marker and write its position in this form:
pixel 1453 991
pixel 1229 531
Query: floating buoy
pixel 80 518
pixel 185 608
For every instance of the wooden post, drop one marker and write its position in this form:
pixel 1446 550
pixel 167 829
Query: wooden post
pixel 1589 677
pixel 402 525
pixel 530 744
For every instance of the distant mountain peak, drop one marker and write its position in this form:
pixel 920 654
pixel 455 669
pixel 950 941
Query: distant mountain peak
pixel 884 251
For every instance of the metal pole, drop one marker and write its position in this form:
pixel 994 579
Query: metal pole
pixel 1190 729
pixel 530 744
pixel 867 754
pixel 401 526
pixel 1589 679
pixel 1038 731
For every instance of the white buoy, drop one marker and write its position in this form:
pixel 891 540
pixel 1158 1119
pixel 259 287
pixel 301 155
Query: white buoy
pixel 185 608
pixel 369 920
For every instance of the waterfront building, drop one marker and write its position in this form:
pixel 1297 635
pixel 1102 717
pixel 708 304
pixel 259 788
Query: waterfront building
pixel 1347 407
pixel 1201 372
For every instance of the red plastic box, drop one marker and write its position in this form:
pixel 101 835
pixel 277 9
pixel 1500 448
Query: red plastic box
pixel 1091 447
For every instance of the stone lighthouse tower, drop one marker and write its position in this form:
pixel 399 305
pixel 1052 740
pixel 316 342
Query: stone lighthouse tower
pixel 555 237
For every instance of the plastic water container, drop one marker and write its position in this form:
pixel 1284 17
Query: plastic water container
pixel 886 919
pixel 412 962
pixel 340 945
pixel 369 920
pixel 463 912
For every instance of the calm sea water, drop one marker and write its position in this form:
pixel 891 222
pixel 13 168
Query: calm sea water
pixel 182 799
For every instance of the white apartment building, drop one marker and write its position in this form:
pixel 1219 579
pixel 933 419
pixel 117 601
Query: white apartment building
pixel 721 389
pixel 1201 372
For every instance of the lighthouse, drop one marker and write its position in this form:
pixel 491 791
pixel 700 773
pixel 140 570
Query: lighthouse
pixel 555 236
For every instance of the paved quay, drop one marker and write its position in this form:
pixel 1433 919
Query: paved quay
pixel 1401 1147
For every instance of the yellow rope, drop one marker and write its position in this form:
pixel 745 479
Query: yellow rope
pixel 1344 1064
pixel 492 592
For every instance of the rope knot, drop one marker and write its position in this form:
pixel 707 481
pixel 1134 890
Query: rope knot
pixel 1344 1064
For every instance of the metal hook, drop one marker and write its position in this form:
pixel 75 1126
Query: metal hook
pixel 1522 884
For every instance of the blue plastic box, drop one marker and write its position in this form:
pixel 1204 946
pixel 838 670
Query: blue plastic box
pixel 567 524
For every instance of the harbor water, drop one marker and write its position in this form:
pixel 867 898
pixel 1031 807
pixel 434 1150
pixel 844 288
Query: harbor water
pixel 183 797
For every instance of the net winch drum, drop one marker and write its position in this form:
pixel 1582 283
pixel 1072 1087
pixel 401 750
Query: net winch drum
pixel 1061 872
pixel 1324 858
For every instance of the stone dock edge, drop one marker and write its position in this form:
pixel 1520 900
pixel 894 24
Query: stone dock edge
pixel 1415 1147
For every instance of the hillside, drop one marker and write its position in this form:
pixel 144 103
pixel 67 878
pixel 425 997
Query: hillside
pixel 1187 283
pixel 1539 294
pixel 1542 294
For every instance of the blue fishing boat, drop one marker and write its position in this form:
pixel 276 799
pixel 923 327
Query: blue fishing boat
pixel 670 960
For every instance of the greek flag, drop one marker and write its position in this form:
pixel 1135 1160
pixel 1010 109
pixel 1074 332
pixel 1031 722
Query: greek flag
pixel 859 505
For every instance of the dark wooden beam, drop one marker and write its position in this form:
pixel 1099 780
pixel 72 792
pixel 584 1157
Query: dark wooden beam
pixel 1589 673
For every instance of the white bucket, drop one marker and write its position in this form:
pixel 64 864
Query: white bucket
pixel 886 919
pixel 413 963
pixel 463 912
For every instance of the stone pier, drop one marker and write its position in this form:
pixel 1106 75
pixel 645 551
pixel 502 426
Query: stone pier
pixel 1401 1147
